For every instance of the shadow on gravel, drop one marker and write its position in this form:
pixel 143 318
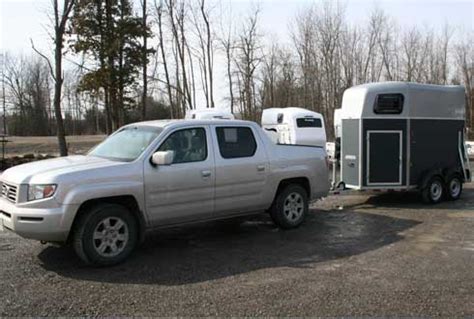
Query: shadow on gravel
pixel 220 249
pixel 412 200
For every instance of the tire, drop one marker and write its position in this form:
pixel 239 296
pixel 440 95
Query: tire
pixel 453 187
pixel 433 191
pixel 105 235
pixel 290 207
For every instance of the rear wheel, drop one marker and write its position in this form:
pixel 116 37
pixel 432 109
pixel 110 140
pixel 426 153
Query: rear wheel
pixel 433 192
pixel 290 207
pixel 105 235
pixel 454 187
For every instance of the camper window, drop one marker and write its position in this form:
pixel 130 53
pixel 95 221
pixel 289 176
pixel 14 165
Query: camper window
pixel 280 118
pixel 308 122
pixel 235 142
pixel 388 104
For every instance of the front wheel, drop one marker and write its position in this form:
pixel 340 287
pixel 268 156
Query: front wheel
pixel 105 235
pixel 290 207
pixel 453 187
pixel 433 191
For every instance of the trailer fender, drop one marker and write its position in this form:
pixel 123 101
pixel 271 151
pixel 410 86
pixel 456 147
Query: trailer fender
pixel 449 172
pixel 428 175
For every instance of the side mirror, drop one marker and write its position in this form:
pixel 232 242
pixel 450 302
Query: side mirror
pixel 162 158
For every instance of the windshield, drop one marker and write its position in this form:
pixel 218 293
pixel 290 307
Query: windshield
pixel 127 144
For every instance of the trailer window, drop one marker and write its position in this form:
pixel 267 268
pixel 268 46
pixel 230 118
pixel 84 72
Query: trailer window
pixel 389 104
pixel 309 122
pixel 235 142
pixel 280 118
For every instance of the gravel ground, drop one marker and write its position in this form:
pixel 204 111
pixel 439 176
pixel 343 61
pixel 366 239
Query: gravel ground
pixel 358 254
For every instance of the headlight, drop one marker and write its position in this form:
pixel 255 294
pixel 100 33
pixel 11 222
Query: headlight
pixel 40 191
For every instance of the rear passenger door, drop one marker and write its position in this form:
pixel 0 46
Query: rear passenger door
pixel 241 170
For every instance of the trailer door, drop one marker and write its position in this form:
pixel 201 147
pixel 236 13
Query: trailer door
pixel 384 158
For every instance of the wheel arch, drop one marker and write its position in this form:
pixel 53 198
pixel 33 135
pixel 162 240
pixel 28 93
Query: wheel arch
pixel 428 175
pixel 448 172
pixel 128 201
pixel 302 181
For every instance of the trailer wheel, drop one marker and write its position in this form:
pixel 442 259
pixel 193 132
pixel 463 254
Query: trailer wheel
pixel 433 191
pixel 290 207
pixel 453 187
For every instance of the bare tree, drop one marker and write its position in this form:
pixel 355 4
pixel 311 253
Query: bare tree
pixel 227 41
pixel 247 61
pixel 144 58
pixel 329 25
pixel 177 23
pixel 61 17
pixel 465 62
pixel 304 38
pixel 159 14
pixel 27 82
pixel 209 52
pixel 446 36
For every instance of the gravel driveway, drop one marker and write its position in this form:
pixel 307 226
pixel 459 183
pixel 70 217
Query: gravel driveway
pixel 356 255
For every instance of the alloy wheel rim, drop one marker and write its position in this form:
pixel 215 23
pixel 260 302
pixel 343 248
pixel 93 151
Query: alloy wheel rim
pixel 293 207
pixel 110 237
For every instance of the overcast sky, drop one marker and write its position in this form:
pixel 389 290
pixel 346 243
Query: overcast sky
pixel 24 19
pixel 21 20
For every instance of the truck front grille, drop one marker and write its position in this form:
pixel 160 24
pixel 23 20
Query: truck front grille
pixel 9 192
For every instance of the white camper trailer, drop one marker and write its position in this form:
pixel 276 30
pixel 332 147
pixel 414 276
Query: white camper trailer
pixel 294 125
pixel 398 135
pixel 209 114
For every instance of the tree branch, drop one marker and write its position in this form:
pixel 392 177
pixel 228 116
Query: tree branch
pixel 44 57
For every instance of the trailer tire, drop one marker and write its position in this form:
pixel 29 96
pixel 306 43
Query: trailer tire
pixel 433 191
pixel 290 207
pixel 453 186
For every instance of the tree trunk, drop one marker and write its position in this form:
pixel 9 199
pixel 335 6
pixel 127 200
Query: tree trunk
pixel 163 56
pixel 144 60
pixel 60 27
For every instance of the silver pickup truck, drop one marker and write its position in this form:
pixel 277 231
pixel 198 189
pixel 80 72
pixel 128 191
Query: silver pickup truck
pixel 159 174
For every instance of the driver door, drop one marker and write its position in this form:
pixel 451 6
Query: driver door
pixel 184 190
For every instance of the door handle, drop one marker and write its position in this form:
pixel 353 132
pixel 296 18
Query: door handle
pixel 260 168
pixel 206 173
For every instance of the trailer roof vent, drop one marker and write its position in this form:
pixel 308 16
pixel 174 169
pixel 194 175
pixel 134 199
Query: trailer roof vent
pixel 389 104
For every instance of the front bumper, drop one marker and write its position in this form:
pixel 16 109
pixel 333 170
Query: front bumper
pixel 46 224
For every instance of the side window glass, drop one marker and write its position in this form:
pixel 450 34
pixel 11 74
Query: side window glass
pixel 388 104
pixel 188 145
pixel 308 122
pixel 235 142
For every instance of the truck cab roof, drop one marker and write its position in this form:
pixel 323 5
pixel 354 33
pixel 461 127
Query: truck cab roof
pixel 182 123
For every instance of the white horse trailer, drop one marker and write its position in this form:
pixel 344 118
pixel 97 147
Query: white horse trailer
pixel 404 136
pixel 209 114
pixel 294 125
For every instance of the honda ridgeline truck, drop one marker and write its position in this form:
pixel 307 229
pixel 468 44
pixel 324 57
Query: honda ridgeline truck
pixel 159 174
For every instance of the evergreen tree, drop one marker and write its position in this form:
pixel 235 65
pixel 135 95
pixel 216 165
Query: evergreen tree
pixel 109 32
